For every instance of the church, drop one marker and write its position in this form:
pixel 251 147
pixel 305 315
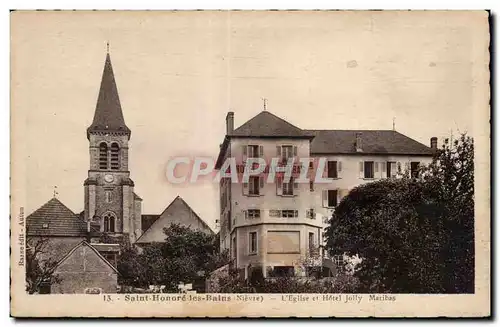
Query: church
pixel 112 210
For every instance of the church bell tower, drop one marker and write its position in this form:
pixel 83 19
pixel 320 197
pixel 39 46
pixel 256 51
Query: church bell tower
pixel 111 206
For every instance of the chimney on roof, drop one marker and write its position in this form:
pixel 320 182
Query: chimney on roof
pixel 230 123
pixel 359 142
pixel 434 142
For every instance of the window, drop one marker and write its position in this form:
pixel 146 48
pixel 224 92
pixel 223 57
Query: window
pixel 310 214
pixel 253 151
pixel 252 242
pixel 330 198
pixel 414 165
pixel 288 187
pixel 332 169
pixel 107 195
pixel 311 185
pixel 224 194
pixel 369 169
pixel 289 213
pixel 233 247
pixel 283 213
pixel 311 241
pixel 275 213
pixel 45 226
pixel 115 156
pixel 391 169
pixel 103 156
pixel 254 185
pixel 253 213
pixel 109 223
pixel 285 188
pixel 286 151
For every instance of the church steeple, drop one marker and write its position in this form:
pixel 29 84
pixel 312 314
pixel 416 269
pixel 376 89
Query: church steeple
pixel 110 201
pixel 108 116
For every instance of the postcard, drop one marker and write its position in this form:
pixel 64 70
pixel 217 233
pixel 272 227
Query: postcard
pixel 250 164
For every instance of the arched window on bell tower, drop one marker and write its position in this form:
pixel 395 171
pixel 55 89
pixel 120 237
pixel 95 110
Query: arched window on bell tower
pixel 109 223
pixel 115 156
pixel 103 156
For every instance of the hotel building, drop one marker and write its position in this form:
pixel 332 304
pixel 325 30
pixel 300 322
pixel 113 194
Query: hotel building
pixel 273 227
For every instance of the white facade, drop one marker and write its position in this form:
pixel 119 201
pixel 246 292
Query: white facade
pixel 271 225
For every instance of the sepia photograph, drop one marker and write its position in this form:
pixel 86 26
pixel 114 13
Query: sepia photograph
pixel 250 163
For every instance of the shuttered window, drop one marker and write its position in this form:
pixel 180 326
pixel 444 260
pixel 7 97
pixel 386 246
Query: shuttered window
pixel 332 169
pixel 288 187
pixel 391 169
pixel 284 152
pixel 331 198
pixel 254 185
pixel 253 151
pixel 369 169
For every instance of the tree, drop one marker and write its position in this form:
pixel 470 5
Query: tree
pixel 39 267
pixel 186 256
pixel 449 184
pixel 414 235
pixel 131 266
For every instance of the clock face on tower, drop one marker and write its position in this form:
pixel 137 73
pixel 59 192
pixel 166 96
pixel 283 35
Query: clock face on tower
pixel 108 178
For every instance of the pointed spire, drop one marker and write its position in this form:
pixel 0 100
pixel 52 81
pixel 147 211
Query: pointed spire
pixel 108 114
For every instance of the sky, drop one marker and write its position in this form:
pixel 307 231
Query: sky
pixel 179 73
